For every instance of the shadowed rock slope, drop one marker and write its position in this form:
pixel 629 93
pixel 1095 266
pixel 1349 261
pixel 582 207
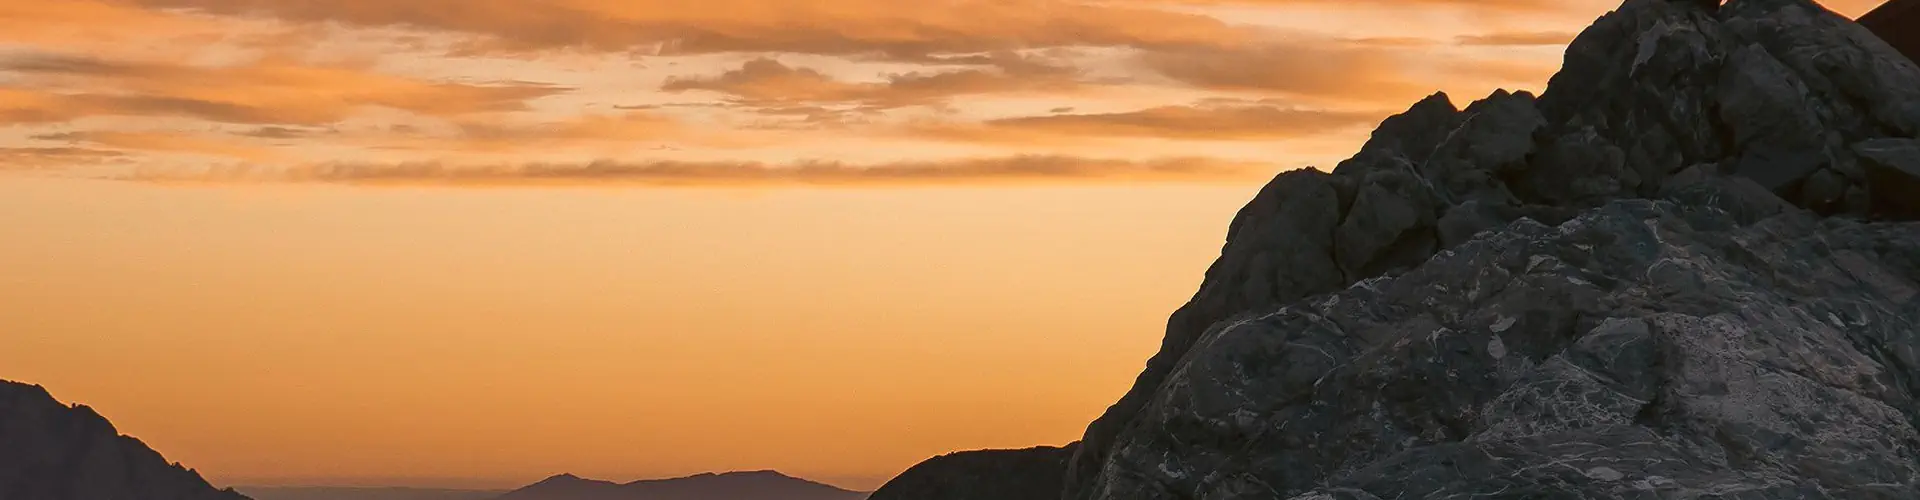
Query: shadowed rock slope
pixel 51 451
pixel 1679 272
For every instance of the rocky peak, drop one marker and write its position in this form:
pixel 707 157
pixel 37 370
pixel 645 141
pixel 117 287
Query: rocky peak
pixel 1680 271
pixel 1754 109
pixel 52 451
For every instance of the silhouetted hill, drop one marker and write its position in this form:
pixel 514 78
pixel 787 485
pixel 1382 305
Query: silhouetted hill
pixel 345 493
pixel 757 485
pixel 1688 269
pixel 1029 474
pixel 51 451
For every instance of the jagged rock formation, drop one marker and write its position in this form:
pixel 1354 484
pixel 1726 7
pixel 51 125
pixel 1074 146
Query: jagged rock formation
pixel 1676 273
pixel 1658 99
pixel 1638 350
pixel 1029 474
pixel 755 485
pixel 51 451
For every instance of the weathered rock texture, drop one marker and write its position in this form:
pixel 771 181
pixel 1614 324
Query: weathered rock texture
pixel 1679 272
pixel 51 451
pixel 1030 474
pixel 1758 107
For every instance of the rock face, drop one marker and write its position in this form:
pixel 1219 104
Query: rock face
pixel 51 451
pixel 1030 474
pixel 1642 349
pixel 755 485
pixel 1679 272
pixel 1757 106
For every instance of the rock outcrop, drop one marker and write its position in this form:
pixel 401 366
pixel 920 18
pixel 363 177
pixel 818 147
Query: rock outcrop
pixel 1758 106
pixel 51 451
pixel 1029 474
pixel 1678 272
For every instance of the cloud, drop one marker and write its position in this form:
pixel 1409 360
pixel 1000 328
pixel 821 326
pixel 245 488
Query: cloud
pixel 35 158
pixel 838 27
pixel 1517 38
pixel 55 87
pixel 1299 68
pixel 394 81
pixel 168 142
pixel 278 132
pixel 768 82
pixel 1231 120
pixel 1026 169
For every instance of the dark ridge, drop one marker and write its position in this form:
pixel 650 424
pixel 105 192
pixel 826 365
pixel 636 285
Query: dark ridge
pixel 1029 474
pixel 52 451
pixel 744 485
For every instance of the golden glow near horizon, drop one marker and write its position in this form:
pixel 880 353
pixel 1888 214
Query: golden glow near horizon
pixel 477 242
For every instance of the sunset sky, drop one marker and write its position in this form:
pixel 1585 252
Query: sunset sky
pixel 479 242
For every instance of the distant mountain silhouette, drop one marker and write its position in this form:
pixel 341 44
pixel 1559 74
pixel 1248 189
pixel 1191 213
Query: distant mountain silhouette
pixel 757 485
pixel 51 451
pixel 343 493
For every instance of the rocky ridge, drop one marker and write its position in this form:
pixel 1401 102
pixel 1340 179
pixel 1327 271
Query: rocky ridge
pixel 1661 277
pixel 51 451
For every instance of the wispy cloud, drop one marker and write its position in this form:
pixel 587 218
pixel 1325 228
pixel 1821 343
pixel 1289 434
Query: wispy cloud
pixel 62 87
pixel 767 81
pixel 538 89
pixel 1518 38
pixel 54 157
pixel 1232 120
pixel 173 142
pixel 999 170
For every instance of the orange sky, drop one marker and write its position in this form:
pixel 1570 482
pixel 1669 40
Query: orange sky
pixel 477 242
